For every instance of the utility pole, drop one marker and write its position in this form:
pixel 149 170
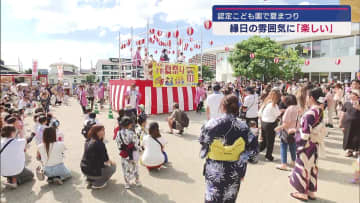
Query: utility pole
pixel 147 35
pixel 201 56
pixel 119 56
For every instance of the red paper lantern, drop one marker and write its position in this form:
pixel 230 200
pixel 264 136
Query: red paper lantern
pixel 227 49
pixel 169 52
pixel 168 34
pixel 128 42
pixel 180 41
pixel 252 55
pixel 155 51
pixel 186 44
pixel 169 43
pixel 337 61
pixel 191 49
pixel 176 34
pixel 190 31
pixel 208 24
pixel 307 62
pixel 173 51
pixel 211 42
pixel 152 30
pixel 276 60
pixel 159 33
pixel 191 39
pixel 143 41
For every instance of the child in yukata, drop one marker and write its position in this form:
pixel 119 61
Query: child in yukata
pixel 128 144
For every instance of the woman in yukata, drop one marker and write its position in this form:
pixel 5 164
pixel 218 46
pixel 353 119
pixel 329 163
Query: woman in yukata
pixel 309 141
pixel 227 144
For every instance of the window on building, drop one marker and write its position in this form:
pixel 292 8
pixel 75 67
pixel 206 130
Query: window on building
pixel 345 76
pixel 358 45
pixel 306 76
pixel 324 77
pixel 343 47
pixel 106 67
pixel 304 49
pixel 321 48
pixel 335 76
pixel 315 76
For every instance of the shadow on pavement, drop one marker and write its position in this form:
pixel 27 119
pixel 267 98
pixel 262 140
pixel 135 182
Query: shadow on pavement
pixel 171 174
pixel 344 160
pixel 335 176
pixel 10 195
pixel 114 192
pixel 68 188
pixel 150 196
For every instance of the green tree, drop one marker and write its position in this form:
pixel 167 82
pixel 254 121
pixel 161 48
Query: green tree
pixel 207 74
pixel 90 78
pixel 28 71
pixel 263 65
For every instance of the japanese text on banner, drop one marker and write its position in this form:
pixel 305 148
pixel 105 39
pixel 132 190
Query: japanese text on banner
pixel 174 75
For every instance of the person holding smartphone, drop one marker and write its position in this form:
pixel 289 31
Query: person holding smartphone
pixel 349 123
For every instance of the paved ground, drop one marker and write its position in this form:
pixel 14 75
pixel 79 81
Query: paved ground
pixel 183 182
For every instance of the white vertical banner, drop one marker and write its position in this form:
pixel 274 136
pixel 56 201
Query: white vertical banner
pixel 34 69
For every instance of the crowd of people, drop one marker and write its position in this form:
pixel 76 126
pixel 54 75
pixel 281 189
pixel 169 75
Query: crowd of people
pixel 297 112
pixel 243 120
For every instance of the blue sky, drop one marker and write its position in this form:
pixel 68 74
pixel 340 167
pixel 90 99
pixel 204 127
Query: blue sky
pixel 54 30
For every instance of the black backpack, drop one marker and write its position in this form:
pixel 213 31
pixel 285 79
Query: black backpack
pixel 184 119
pixel 87 127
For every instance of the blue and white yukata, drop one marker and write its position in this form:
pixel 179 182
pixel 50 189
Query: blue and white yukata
pixel 223 177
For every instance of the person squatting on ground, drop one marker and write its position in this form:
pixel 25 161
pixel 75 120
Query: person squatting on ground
pixel 154 155
pixel 95 163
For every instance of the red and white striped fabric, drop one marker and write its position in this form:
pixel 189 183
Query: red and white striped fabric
pixel 157 100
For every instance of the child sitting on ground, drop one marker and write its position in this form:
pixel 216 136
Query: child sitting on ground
pixel 140 128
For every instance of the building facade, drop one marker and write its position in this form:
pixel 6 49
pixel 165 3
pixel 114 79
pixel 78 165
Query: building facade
pixel 71 73
pixel 207 60
pixel 327 58
pixel 108 69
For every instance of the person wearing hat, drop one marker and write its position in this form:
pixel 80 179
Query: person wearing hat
pixel 251 105
pixel 213 103
pixel 349 122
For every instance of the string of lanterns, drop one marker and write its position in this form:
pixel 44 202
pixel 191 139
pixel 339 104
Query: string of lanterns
pixel 157 37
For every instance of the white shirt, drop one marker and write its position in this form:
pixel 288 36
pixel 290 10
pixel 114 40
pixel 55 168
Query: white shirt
pixel 22 104
pixel 181 59
pixel 213 102
pixel 152 155
pixel 39 134
pixel 56 151
pixel 251 102
pixel 13 157
pixel 270 113
pixel 133 97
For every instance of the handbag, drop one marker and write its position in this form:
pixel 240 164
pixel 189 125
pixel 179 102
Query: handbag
pixel 40 170
pixel 286 137
pixel 243 111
